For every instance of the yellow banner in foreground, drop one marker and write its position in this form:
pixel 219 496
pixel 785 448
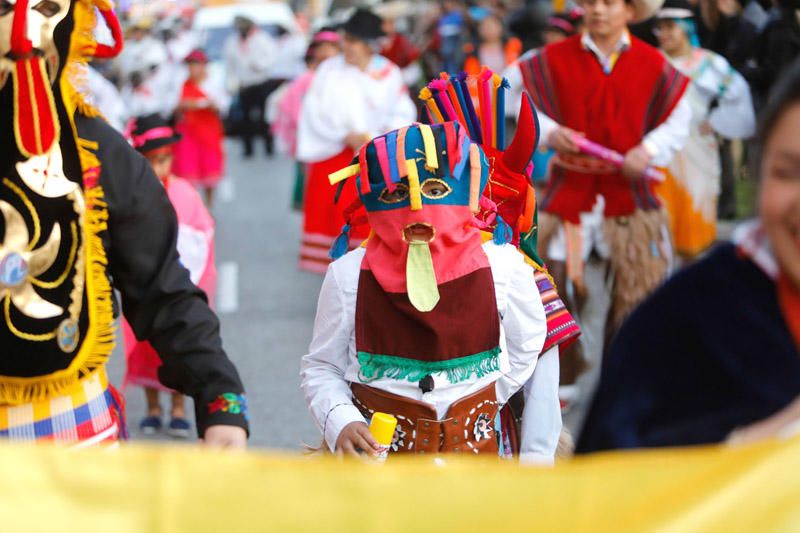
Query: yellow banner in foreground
pixel 170 489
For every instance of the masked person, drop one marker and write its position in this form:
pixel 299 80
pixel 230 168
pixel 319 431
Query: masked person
pixel 353 97
pixel 618 92
pixel 721 106
pixel 84 214
pixel 714 354
pixel 426 322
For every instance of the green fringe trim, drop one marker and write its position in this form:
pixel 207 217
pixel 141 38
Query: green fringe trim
pixel 375 366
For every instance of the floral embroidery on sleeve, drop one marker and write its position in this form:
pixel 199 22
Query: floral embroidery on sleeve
pixel 229 402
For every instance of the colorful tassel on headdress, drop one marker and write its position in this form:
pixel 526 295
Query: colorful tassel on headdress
pixel 495 83
pixel 452 145
pixel 442 105
pixel 426 96
pixel 429 143
pixel 363 170
pixel 452 96
pixel 439 88
pixel 341 244
pixel 476 134
pixel 463 155
pixel 402 168
pixel 391 152
pixel 414 191
pixel 383 161
pixel 500 112
pixel 485 101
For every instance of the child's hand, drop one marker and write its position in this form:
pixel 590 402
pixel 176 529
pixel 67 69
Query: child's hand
pixel 229 437
pixel 355 436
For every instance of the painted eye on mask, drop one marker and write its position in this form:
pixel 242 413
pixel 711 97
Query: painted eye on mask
pixel 435 189
pixel 6 7
pixel 396 196
pixel 47 8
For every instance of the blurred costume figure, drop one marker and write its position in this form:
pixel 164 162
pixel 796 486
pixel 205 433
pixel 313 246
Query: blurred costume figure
pixel 284 123
pixel 494 50
pixel 353 97
pixel 427 322
pixel 141 48
pixel 559 27
pixel 721 105
pixel 152 137
pixel 200 154
pixel 148 88
pixel 509 206
pixel 81 210
pixel 630 101
pixel 249 56
pixel 397 47
pixel 450 30
pixel 714 354
pixel 104 96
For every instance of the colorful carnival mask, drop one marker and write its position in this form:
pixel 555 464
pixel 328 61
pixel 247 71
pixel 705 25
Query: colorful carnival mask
pixel 421 187
pixel 56 319
pixel 478 104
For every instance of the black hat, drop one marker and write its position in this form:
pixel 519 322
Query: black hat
pixel 364 24
pixel 675 9
pixel 151 132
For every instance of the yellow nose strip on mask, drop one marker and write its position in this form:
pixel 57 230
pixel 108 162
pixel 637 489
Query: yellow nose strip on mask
pixel 423 293
pixel 414 192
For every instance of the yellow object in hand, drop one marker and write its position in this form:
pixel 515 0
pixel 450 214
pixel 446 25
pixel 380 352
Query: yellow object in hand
pixel 382 427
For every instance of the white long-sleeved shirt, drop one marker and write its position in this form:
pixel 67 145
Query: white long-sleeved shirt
pixel 662 142
pixel 343 99
pixel 331 364
pixel 249 61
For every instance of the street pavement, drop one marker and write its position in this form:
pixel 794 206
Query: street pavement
pixel 266 305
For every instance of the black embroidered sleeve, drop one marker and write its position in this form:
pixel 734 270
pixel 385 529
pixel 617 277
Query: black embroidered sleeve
pixel 159 301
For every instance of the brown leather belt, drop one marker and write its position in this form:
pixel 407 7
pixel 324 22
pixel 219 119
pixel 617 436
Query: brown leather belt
pixel 467 428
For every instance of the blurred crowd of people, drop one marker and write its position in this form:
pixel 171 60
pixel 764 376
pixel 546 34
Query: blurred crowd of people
pixel 319 95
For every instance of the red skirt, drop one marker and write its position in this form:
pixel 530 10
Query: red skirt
pixel 322 217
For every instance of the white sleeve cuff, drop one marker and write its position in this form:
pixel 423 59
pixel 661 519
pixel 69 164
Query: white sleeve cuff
pixel 338 417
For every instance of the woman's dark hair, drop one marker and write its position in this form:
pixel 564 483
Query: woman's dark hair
pixel 783 95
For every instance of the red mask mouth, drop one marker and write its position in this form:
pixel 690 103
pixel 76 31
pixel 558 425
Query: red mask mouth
pixel 419 232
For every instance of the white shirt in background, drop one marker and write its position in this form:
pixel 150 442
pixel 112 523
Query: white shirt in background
pixel 103 95
pixel 289 63
pixel 343 99
pixel 249 62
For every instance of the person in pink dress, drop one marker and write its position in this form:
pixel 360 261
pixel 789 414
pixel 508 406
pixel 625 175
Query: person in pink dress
pixel 199 155
pixel 153 137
